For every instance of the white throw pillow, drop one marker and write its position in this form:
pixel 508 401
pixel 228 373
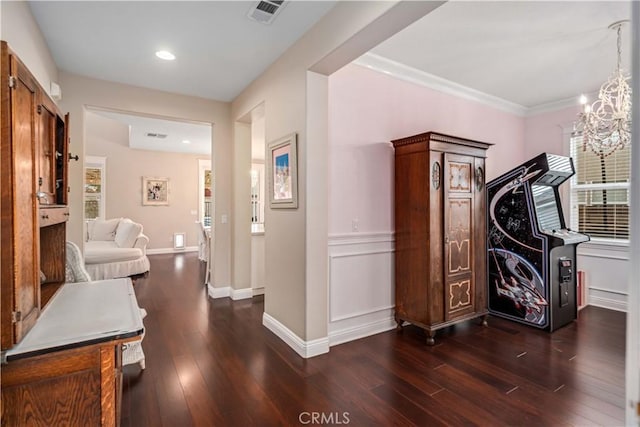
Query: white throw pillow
pixel 104 229
pixel 127 233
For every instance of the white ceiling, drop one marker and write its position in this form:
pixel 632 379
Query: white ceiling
pixel 198 134
pixel 525 52
pixel 218 49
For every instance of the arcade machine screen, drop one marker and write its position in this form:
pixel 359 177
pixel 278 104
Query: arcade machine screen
pixel 546 205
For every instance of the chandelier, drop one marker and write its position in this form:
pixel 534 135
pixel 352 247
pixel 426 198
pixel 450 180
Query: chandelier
pixel 605 126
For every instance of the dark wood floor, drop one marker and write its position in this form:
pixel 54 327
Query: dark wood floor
pixel 211 362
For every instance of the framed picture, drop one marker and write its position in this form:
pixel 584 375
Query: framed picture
pixel 155 191
pixel 282 170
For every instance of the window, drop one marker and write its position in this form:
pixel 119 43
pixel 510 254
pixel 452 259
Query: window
pixel 94 187
pixel 206 218
pixel 600 192
pixel 205 192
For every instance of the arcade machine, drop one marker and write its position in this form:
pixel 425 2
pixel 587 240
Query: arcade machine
pixel 531 252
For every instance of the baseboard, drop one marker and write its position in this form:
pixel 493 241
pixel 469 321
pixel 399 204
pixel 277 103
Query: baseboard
pixel 342 336
pixel 305 349
pixel 229 292
pixel 221 292
pixel 258 291
pixel 238 294
pixel 160 251
pixel 611 304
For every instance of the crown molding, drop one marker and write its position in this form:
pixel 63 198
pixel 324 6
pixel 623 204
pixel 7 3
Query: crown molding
pixel 560 104
pixel 413 75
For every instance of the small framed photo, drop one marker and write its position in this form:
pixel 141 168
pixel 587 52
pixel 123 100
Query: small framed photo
pixel 282 170
pixel 155 191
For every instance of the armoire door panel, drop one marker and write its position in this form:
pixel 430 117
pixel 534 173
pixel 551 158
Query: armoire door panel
pixel 459 176
pixel 460 298
pixel 26 304
pixel 459 238
pixel 458 235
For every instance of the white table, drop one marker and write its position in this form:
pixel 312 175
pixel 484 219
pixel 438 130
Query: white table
pixel 81 314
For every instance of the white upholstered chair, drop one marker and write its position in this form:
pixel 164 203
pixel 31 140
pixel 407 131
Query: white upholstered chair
pixel 204 248
pixel 75 272
pixel 115 248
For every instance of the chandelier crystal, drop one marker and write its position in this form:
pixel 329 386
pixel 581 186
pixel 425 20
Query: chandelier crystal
pixel 606 124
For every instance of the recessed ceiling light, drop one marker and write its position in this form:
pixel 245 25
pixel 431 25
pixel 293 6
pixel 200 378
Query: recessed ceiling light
pixel 186 141
pixel 166 55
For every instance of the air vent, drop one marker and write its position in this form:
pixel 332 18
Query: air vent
pixel 156 135
pixel 265 11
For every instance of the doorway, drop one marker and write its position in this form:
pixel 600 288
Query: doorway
pixel 249 183
pixel 137 148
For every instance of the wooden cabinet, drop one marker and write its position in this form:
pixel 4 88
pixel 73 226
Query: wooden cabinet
pixel 68 370
pixel 440 257
pixel 33 168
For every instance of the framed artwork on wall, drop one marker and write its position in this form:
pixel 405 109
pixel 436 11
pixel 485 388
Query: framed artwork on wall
pixel 282 170
pixel 155 191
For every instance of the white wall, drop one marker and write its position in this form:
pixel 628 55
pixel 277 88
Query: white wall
pixel 241 221
pixel 257 263
pixel 633 317
pixel 20 30
pixel 295 305
pixel 606 265
pixel 80 92
pixel 282 89
pixel 126 167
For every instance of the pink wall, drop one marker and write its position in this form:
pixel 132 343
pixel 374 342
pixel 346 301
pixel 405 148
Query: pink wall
pixel 549 132
pixel 367 109
pixel 545 132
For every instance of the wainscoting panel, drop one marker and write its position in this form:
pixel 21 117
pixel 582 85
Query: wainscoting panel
pixel 607 274
pixel 361 285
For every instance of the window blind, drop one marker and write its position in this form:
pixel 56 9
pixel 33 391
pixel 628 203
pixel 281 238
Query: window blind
pixel 600 192
pixel 92 192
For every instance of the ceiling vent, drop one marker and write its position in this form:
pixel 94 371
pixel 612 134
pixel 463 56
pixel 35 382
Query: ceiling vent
pixel 156 135
pixel 265 11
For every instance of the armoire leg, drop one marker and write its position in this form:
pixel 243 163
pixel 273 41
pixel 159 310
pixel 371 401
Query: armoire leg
pixel 430 338
pixel 484 320
pixel 399 326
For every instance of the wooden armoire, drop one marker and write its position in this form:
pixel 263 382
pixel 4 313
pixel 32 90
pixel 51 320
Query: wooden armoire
pixel 440 231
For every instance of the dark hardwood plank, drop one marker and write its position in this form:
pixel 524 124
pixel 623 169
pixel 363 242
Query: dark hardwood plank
pixel 211 362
